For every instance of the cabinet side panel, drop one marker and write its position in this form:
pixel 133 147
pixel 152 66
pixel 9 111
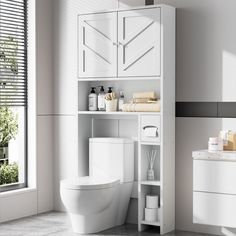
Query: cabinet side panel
pixel 168 120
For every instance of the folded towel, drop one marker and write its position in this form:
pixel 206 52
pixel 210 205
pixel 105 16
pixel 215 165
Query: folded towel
pixel 141 107
pixel 144 95
pixel 143 100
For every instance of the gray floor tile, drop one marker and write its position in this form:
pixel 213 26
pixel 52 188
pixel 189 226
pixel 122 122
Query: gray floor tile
pixel 57 224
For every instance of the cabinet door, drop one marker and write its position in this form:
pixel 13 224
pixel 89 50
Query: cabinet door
pixel 98 45
pixel 139 36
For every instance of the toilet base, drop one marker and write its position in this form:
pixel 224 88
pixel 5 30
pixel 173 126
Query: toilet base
pixel 93 223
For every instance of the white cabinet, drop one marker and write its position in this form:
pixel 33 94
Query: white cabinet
pixel 139 35
pixel 98 45
pixel 214 192
pixel 133 50
pixel 130 46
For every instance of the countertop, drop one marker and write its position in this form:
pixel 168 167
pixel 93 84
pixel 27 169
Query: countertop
pixel 214 155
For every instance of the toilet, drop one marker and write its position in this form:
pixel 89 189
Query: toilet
pixel 100 201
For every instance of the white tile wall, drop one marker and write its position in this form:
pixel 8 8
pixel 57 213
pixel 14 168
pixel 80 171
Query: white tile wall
pixel 18 204
pixel 44 27
pixel 131 3
pixel 45 164
pixel 66 161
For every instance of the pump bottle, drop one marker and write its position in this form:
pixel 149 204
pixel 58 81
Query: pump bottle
pixel 101 99
pixel 93 100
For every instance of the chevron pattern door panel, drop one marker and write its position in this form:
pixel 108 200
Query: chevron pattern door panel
pixel 139 38
pixel 98 45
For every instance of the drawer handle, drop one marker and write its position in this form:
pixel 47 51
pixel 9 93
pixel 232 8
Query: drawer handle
pixel 151 126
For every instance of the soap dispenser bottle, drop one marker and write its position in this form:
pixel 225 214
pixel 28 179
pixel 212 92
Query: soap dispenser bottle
pixel 121 100
pixel 110 89
pixel 101 99
pixel 93 100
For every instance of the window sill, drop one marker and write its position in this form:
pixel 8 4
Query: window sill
pixel 17 192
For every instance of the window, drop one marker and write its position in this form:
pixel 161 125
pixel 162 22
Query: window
pixel 13 94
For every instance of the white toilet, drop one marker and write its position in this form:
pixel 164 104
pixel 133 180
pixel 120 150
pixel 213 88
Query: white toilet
pixel 100 201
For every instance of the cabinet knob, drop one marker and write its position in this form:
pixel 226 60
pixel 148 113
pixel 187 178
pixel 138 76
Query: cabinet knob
pixel 115 44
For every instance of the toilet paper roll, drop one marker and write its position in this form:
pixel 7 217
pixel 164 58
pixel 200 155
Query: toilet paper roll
pixel 151 214
pixel 152 201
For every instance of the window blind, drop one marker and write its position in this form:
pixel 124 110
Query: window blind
pixel 13 52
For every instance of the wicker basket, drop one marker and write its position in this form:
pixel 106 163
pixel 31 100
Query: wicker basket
pixel 111 105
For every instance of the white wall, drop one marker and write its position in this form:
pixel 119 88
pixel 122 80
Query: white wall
pixel 44 77
pixel 206 57
pixel 206 62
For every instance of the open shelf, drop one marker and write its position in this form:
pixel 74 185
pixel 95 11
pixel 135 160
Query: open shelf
pixel 116 113
pixel 144 164
pixel 150 143
pixel 153 182
pixel 144 191
pixel 119 78
pixel 154 223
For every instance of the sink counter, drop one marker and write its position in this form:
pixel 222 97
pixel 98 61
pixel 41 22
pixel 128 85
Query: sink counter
pixel 214 155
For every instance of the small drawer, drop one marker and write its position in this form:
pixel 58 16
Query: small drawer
pixel 150 128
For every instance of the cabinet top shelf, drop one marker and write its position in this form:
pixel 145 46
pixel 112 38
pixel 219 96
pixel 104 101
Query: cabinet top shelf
pixel 129 8
pixel 119 78
pixel 117 113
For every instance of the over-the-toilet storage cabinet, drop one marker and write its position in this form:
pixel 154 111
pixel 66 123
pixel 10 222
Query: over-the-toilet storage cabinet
pixel 132 50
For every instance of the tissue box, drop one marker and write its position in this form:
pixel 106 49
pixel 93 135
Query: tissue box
pixel 231 144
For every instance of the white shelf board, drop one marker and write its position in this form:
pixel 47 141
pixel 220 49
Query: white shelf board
pixel 119 79
pixel 149 182
pixel 150 143
pixel 117 113
pixel 155 223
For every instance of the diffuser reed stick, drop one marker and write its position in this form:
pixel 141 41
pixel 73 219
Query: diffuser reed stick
pixel 151 160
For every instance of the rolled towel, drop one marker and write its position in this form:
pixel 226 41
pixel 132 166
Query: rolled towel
pixel 144 95
pixel 141 107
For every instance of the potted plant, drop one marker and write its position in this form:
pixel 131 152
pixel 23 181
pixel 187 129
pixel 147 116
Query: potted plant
pixel 8 129
pixel 8 120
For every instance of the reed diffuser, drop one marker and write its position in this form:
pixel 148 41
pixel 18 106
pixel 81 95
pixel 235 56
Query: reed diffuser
pixel 151 160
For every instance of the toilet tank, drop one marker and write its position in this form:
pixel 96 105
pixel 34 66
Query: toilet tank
pixel 112 157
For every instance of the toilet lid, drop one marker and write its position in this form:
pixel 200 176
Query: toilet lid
pixel 89 182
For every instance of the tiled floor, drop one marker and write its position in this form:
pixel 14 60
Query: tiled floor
pixel 57 224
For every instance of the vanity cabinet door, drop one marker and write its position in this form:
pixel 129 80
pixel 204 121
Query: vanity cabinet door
pixel 139 42
pixel 98 45
pixel 214 176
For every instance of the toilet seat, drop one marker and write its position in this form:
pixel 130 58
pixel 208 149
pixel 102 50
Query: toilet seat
pixel 89 183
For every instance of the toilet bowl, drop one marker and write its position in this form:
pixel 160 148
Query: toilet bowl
pixel 90 202
pixel 100 201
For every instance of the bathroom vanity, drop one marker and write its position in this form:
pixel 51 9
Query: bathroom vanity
pixel 214 188
pixel 132 50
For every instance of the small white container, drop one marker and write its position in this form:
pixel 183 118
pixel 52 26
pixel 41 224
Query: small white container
pixel 151 214
pixel 152 201
pixel 215 144
pixel 111 105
